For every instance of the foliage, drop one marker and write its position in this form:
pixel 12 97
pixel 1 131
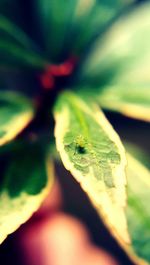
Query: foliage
pixel 65 61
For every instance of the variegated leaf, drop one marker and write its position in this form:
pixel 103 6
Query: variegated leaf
pixel 92 151
pixel 16 111
pixel 26 182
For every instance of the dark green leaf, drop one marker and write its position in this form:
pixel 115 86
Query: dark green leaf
pixel 69 25
pixel 54 17
pixel 16 48
pixel 9 28
pixel 13 54
pixel 26 183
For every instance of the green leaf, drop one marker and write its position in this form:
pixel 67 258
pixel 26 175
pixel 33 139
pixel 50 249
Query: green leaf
pixel 9 28
pixel 92 17
pixel 131 101
pixel 16 47
pixel 138 209
pixel 27 181
pixel 54 18
pixel 16 55
pixel 123 54
pixel 16 111
pixel 91 150
pixel 67 26
pixel 138 153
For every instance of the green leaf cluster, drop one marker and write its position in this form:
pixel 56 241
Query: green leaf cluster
pixel 59 68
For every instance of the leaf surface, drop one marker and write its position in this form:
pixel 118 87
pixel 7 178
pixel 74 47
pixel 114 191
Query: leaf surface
pixel 91 150
pixel 138 153
pixel 67 26
pixel 131 101
pixel 10 29
pixel 13 54
pixel 138 209
pixel 122 56
pixel 16 111
pixel 25 185
pixel 54 17
pixel 16 47
pixel 92 17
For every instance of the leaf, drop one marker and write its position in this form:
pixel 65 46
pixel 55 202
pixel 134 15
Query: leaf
pixel 26 183
pixel 54 19
pixel 16 47
pixel 16 111
pixel 67 26
pixel 13 54
pixel 10 29
pixel 138 210
pixel 130 101
pixel 92 17
pixel 122 56
pixel 91 150
pixel 138 153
